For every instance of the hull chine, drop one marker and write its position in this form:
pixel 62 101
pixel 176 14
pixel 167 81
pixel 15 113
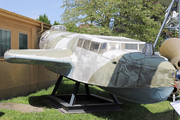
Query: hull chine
pixel 141 95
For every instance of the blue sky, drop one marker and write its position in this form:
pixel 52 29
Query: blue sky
pixel 34 8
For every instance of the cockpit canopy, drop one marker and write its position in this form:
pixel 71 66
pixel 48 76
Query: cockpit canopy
pixel 103 46
pixel 58 28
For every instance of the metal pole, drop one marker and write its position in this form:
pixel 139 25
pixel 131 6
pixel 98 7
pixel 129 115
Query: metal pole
pixel 179 18
pixel 170 6
pixel 174 99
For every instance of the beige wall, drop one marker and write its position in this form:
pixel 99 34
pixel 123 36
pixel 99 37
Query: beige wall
pixel 21 79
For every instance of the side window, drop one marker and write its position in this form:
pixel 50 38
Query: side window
pixel 141 46
pixel 94 47
pixel 103 48
pixel 129 46
pixel 114 46
pixel 80 42
pixel 5 41
pixel 23 41
pixel 86 44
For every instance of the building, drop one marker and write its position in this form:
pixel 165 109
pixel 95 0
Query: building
pixel 20 32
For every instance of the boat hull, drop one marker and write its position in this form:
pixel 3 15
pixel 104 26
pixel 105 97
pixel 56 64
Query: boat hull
pixel 141 95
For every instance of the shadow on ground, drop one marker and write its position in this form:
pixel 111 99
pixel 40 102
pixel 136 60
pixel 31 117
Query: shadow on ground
pixel 1 114
pixel 131 111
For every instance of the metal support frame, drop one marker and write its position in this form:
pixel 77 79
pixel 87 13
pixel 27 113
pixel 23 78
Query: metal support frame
pixel 80 103
pixel 169 9
pixel 57 85
pixel 74 95
pixel 114 98
pixel 87 89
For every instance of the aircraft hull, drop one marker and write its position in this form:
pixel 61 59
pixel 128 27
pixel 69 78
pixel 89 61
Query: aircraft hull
pixel 141 95
pixel 114 65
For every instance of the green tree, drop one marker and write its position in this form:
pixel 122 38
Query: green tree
pixel 43 18
pixel 56 23
pixel 138 19
pixel 71 27
pixel 98 12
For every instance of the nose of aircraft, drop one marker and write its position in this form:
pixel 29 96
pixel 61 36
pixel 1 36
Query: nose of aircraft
pixel 164 75
pixel 144 78
pixel 165 71
pixel 154 70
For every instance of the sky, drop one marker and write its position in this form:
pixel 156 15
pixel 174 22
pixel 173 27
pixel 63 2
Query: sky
pixel 34 8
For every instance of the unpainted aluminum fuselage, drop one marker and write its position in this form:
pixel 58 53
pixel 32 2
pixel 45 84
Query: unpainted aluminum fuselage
pixel 114 64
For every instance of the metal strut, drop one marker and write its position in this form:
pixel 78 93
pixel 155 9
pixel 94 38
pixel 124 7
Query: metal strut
pixel 75 91
pixel 114 98
pixel 74 95
pixel 57 85
pixel 80 103
pixel 87 89
pixel 169 9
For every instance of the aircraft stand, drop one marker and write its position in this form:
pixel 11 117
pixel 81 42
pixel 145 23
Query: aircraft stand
pixel 82 103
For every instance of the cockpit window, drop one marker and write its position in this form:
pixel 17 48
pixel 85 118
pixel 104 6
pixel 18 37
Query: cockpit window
pixel 129 46
pixel 94 47
pixel 80 42
pixel 103 48
pixel 86 44
pixel 58 28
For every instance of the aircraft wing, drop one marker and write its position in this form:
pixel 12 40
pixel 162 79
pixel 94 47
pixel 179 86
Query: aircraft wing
pixel 49 57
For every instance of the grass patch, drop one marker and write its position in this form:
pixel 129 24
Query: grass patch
pixel 131 111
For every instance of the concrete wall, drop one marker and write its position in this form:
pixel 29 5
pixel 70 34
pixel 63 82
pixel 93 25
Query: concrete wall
pixel 21 79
